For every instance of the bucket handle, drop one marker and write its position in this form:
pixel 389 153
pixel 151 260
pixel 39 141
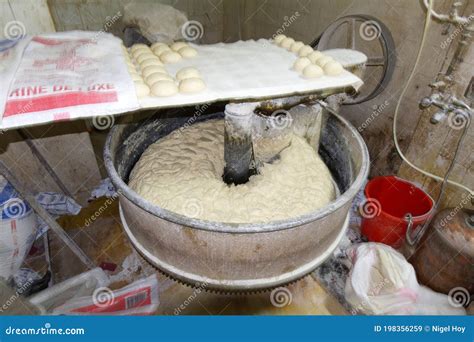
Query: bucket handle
pixel 408 235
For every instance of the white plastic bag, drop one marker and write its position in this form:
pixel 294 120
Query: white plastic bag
pixel 382 282
pixel 78 286
pixel 17 230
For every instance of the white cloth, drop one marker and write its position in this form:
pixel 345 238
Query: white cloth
pixel 247 70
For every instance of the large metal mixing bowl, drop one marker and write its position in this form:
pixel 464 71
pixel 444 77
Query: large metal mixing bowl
pixel 235 257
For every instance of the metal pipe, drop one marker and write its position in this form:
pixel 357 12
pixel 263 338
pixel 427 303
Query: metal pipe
pixel 238 152
pixel 45 163
pixel 453 17
pixel 459 53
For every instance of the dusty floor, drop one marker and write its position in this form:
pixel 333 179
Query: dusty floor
pixel 103 240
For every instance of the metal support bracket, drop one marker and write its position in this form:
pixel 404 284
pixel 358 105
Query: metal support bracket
pixel 41 212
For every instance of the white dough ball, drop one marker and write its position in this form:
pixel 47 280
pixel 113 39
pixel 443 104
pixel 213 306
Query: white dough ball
pixel 333 68
pixel 160 49
pixel 278 38
pixel 140 52
pixel 178 45
pixel 142 89
pixel 155 45
pixel 188 72
pixel 305 51
pixel 314 56
pixel 313 71
pixel 151 62
pixel 138 46
pixel 191 85
pixel 296 46
pixel 152 69
pixel 170 57
pixel 153 78
pixel 301 63
pixel 286 43
pixel 145 57
pixel 323 60
pixel 164 88
pixel 188 52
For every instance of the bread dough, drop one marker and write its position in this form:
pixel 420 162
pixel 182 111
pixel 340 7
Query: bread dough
pixel 333 68
pixel 301 63
pixel 313 71
pixel 188 52
pixel 314 56
pixel 136 47
pixel 278 38
pixel 155 45
pixel 183 173
pixel 296 46
pixel 145 56
pixel 164 88
pixel 152 70
pixel 153 78
pixel 151 62
pixel 170 57
pixel 323 60
pixel 141 88
pixel 286 43
pixel 178 45
pixel 140 52
pixel 191 85
pixel 305 51
pixel 160 49
pixel 188 72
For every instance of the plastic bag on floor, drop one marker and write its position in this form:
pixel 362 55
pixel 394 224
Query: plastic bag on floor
pixel 80 285
pixel 382 282
pixel 56 205
pixel 104 189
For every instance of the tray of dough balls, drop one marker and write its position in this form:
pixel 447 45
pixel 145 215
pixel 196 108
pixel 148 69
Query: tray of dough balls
pixel 182 73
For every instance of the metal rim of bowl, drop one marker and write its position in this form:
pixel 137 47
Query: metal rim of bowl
pixel 233 285
pixel 240 228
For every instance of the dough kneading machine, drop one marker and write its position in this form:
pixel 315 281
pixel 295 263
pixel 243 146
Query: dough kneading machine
pixel 246 257
pixel 235 257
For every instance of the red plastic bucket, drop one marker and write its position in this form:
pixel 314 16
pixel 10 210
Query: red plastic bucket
pixel 388 200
